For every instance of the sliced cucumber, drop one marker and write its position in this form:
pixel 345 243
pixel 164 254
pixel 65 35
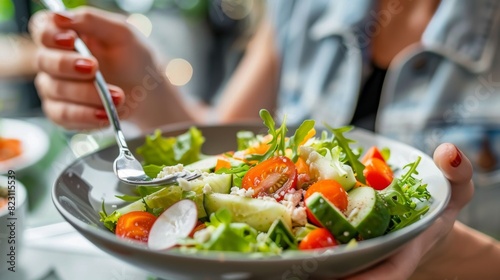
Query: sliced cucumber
pixel 205 165
pixel 208 164
pixel 281 234
pixel 259 214
pixel 219 183
pixel 367 212
pixel 163 198
pixel 193 190
pixel 331 218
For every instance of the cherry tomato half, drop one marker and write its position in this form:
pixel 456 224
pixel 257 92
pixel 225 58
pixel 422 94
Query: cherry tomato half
pixel 331 190
pixel 378 174
pixel 373 152
pixel 135 225
pixel 317 239
pixel 272 177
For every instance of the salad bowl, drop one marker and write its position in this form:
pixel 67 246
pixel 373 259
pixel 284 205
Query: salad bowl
pixel 80 189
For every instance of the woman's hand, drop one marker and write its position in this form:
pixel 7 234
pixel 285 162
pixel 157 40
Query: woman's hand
pixel 434 242
pixel 66 79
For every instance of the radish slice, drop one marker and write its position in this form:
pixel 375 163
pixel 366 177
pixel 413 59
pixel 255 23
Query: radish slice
pixel 175 223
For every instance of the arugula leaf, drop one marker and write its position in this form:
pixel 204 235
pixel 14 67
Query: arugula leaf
pixel 159 150
pixel 351 157
pixel 402 198
pixel 299 136
pixel 277 145
pixel 128 198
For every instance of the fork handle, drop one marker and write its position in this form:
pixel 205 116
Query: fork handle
pixel 101 85
pixel 105 95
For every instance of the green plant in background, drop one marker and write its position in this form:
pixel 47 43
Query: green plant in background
pixel 74 3
pixel 6 10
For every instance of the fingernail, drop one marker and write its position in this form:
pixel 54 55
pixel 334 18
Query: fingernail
pixel 101 114
pixel 84 66
pixel 64 40
pixel 115 96
pixel 63 18
pixel 458 158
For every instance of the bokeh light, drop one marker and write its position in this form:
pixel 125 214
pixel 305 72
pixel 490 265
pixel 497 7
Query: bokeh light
pixel 142 23
pixel 135 6
pixel 83 144
pixel 179 72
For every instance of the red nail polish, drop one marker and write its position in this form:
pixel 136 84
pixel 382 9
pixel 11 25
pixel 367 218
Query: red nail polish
pixel 64 40
pixel 84 66
pixel 63 18
pixel 458 159
pixel 101 114
pixel 115 96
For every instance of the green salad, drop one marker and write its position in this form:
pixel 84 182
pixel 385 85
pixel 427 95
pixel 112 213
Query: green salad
pixel 274 192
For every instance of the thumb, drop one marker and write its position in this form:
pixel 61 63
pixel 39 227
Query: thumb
pixel 457 168
pixel 109 28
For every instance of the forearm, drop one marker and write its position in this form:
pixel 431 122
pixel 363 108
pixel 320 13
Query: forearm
pixel 464 254
pixel 254 84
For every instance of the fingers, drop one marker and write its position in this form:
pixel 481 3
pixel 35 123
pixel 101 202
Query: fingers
pixel 399 266
pixel 56 29
pixel 109 27
pixel 75 104
pixel 45 32
pixel 81 92
pixel 458 170
pixel 66 64
pixel 74 116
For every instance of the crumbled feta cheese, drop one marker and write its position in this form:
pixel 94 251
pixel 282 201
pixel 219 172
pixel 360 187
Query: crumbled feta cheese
pixel 203 235
pixel 184 184
pixel 169 170
pixel 299 216
pixel 242 192
pixel 294 197
pixel 207 189
pixel 268 198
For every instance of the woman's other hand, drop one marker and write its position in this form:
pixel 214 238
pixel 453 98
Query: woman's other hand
pixel 436 241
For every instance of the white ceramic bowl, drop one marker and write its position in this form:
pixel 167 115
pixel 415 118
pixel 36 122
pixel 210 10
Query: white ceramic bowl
pixel 79 191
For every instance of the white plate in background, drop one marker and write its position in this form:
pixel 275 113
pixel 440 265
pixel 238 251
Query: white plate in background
pixel 34 143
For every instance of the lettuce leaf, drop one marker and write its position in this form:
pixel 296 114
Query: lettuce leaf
pixel 159 150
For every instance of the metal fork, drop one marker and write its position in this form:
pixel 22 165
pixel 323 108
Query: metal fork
pixel 126 167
